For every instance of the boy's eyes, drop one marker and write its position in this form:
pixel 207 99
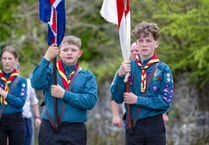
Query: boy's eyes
pixel 5 58
pixel 73 50
pixel 65 50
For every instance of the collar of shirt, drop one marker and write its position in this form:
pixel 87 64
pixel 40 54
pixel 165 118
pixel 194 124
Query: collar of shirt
pixel 145 61
pixel 6 75
pixel 68 69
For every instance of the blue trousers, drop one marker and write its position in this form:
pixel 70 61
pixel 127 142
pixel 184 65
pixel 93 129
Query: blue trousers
pixel 28 131
pixel 148 131
pixel 12 126
pixel 69 134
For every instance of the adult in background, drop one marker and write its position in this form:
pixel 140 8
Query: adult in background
pixel 150 101
pixel 31 102
pixel 13 90
pixel 117 121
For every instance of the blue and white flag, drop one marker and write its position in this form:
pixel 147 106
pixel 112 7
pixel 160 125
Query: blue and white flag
pixel 52 12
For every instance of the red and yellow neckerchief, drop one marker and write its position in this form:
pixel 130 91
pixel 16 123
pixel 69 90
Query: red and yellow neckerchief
pixel 154 59
pixel 7 82
pixel 61 71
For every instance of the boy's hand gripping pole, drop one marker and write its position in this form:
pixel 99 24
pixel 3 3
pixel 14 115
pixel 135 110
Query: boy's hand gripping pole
pixel 130 129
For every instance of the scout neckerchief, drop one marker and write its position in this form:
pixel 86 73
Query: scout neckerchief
pixel 154 59
pixel 7 82
pixel 61 71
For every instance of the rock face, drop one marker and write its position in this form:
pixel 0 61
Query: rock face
pixel 188 117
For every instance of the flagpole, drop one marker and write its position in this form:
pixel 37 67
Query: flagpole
pixel 112 13
pixel 55 78
pixel 127 82
pixel 52 16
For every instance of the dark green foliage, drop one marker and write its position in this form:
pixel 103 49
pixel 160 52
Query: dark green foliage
pixel 6 18
pixel 183 42
pixel 184 30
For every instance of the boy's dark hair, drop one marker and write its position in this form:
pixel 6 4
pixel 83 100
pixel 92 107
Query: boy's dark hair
pixel 146 28
pixel 9 49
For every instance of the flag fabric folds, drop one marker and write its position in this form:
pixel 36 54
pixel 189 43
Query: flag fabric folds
pixel 52 12
pixel 117 12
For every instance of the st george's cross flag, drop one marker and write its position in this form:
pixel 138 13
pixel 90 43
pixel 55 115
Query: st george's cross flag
pixel 117 12
pixel 52 12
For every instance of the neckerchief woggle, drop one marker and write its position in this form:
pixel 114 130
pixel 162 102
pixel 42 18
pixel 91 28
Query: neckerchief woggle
pixel 61 71
pixel 7 82
pixel 153 60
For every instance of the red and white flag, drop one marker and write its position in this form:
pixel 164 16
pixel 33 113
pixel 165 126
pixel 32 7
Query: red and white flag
pixel 117 12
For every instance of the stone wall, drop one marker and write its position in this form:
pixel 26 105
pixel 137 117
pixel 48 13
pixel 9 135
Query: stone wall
pixel 189 115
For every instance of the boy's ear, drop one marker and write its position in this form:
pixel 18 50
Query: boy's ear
pixel 156 44
pixel 80 53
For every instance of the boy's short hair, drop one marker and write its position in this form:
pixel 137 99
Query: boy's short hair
pixel 146 28
pixel 71 39
pixel 9 49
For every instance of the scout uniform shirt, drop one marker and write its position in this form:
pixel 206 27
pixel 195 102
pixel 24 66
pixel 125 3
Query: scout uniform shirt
pixel 16 99
pixel 81 98
pixel 159 95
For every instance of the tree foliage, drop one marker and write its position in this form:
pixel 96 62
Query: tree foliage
pixel 6 18
pixel 183 42
pixel 184 30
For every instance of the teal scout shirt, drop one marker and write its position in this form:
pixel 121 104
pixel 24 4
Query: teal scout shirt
pixel 16 99
pixel 159 96
pixel 81 98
